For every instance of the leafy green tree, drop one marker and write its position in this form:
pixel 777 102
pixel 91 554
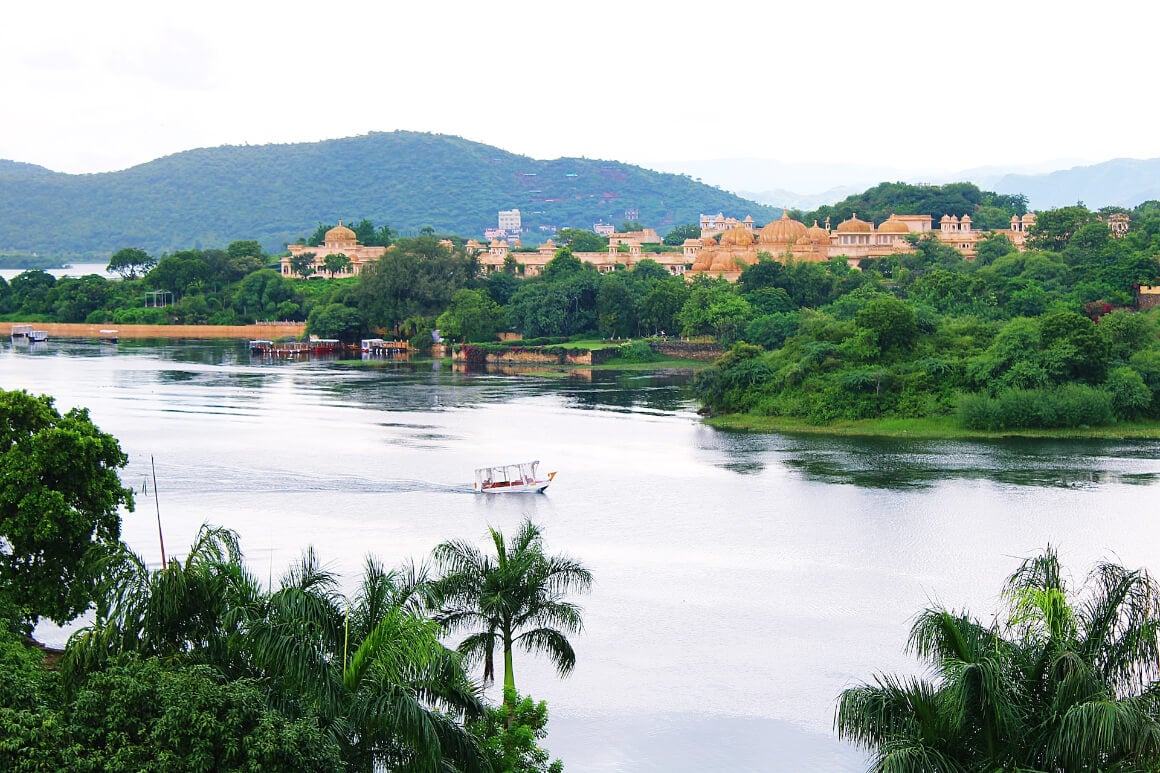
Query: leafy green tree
pixel 1059 682
pixel 992 247
pixel 60 497
pixel 1054 228
pixel 336 263
pixel 679 233
pixel 185 611
pixel 366 233
pixel 473 316
pixel 302 264
pixel 771 330
pixel 770 300
pixel 616 306
pixel 418 277
pixel 266 294
pixel 1126 332
pixel 510 733
pixel 140 715
pixel 73 299
pixel 662 304
pixel 131 262
pixel 516 598
pixel 562 264
pixel 579 240
pixel 30 292
pixel 892 322
pixel 538 309
pixel 180 273
pixel 334 320
pixel 1130 395
pixel 1072 348
pixel 766 273
pixel 247 248
pixel 502 285
pixel 713 308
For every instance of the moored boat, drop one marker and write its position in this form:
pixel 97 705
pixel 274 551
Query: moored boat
pixel 38 336
pixel 519 478
pixel 108 336
pixel 20 332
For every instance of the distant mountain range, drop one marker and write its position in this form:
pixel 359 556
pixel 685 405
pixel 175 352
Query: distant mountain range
pixel 409 180
pixel 278 193
pixel 1121 182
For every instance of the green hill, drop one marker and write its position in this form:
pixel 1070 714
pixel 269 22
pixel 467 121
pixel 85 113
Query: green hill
pixel 277 193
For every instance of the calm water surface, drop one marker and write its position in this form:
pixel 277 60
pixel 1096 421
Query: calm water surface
pixel 76 269
pixel 741 580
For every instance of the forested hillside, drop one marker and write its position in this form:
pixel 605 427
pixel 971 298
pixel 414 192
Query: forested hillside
pixel 275 193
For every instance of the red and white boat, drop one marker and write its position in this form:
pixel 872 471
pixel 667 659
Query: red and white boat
pixel 519 478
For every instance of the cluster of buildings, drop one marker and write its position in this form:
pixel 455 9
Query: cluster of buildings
pixel 509 227
pixel 726 246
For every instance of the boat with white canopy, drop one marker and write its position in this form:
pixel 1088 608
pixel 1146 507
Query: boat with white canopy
pixel 522 477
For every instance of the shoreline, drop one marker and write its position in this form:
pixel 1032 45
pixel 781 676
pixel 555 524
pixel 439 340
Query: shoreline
pixel 940 428
pixel 270 330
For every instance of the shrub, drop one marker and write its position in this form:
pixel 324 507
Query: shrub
pixel 1066 407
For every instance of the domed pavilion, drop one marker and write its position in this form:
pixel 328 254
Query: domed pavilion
pixel 339 240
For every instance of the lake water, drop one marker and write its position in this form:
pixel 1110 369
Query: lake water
pixel 742 580
pixel 79 269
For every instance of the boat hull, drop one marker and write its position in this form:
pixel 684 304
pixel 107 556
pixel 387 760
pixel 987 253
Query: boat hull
pixel 516 488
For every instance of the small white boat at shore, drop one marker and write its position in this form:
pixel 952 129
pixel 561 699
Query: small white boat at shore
pixel 38 336
pixel 108 336
pixel 20 332
pixel 519 478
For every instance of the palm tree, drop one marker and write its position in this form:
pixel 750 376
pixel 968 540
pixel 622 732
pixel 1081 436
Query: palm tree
pixel 385 687
pixel 1062 683
pixel 190 611
pixel 514 598
pixel 371 670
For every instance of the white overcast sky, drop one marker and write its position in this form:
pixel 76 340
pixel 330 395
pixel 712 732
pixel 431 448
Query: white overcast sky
pixel 98 86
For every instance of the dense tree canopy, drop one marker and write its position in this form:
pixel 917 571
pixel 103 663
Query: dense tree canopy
pixel 417 277
pixel 60 500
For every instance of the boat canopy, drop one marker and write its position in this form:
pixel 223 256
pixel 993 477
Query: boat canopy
pixel 520 472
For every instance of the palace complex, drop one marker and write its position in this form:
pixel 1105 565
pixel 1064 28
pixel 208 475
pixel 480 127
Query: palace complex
pixel 725 248
pixel 728 245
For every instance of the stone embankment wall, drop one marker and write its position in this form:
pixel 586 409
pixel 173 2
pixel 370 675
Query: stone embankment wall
pixel 530 357
pixel 687 350
pixel 270 330
pixel 684 350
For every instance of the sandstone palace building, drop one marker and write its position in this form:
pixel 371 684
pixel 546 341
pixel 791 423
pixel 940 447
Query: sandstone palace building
pixel 726 246
pixel 339 240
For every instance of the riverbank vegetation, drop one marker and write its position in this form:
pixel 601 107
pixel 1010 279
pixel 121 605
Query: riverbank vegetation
pixel 195 665
pixel 1048 339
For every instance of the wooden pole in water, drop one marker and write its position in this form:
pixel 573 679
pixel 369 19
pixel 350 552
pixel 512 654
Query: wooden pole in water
pixel 160 536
